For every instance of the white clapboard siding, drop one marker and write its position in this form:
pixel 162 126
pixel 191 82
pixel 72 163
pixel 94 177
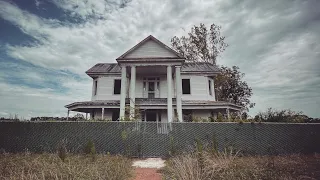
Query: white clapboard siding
pixel 105 89
pixel 198 84
pixel 139 87
pixel 107 114
pixel 199 88
pixel 150 49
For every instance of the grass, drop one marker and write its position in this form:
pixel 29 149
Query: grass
pixel 230 166
pixel 50 166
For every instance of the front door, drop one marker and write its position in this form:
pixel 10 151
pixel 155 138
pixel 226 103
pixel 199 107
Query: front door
pixel 151 89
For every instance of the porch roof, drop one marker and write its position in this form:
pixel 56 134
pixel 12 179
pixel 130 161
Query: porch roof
pixel 160 103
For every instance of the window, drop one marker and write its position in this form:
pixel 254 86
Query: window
pixel 95 87
pixel 210 89
pixel 115 115
pixel 186 86
pixel 117 86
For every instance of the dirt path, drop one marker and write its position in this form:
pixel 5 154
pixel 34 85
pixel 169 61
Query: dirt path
pixel 147 174
pixel 147 169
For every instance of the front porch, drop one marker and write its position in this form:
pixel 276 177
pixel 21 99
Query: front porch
pixel 153 110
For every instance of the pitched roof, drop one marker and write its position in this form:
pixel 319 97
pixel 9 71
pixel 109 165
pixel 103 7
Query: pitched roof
pixel 200 67
pixel 150 37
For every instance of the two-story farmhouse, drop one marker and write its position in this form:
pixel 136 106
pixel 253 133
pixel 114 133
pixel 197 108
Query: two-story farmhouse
pixel 156 80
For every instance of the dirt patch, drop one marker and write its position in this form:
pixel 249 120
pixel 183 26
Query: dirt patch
pixel 147 174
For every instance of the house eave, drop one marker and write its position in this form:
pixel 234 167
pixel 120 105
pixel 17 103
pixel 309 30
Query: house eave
pixel 208 73
pixel 97 74
pixel 152 104
pixel 152 60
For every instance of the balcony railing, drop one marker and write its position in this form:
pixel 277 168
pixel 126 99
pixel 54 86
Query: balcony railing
pixel 151 100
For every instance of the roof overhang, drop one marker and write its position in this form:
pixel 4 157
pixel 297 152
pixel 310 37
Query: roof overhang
pixel 158 103
pixel 98 74
pixel 163 61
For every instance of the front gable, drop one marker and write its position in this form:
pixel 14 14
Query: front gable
pixel 150 48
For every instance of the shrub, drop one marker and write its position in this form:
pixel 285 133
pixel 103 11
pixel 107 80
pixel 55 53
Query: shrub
pixel 172 147
pixel 220 117
pixel 286 115
pixel 62 150
pixel 124 137
pixel 198 119
pixel 90 149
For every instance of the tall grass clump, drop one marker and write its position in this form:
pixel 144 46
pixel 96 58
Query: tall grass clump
pixel 90 149
pixel 62 151
pixel 49 166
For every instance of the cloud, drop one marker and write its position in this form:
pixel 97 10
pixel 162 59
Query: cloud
pixel 273 42
pixel 30 102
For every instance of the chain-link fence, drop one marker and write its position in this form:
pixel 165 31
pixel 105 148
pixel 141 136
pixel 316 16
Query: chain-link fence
pixel 152 139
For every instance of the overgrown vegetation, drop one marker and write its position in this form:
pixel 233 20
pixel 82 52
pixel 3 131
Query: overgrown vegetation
pixel 286 115
pixel 229 165
pixel 62 150
pixel 136 116
pixel 50 166
pixel 90 149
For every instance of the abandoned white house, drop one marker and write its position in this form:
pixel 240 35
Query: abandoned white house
pixel 156 80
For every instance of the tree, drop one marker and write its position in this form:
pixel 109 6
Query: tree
pixel 200 45
pixel 79 116
pixel 230 87
pixel 285 115
pixel 203 45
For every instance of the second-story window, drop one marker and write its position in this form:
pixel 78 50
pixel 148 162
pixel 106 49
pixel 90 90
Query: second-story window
pixel 95 87
pixel 186 86
pixel 210 88
pixel 117 86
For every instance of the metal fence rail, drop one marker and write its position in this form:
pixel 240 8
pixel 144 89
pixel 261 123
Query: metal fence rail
pixel 153 139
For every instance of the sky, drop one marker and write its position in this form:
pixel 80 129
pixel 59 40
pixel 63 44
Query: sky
pixel 47 45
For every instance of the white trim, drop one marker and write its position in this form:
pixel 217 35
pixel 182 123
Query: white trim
pixel 150 63
pixel 123 91
pixel 179 93
pixel 132 91
pixel 169 94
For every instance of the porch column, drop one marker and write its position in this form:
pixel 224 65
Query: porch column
pixel 169 96
pixel 123 91
pixel 179 93
pixel 213 90
pixel 86 116
pixel 68 114
pixel 132 92
pixel 102 114
pixel 228 113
